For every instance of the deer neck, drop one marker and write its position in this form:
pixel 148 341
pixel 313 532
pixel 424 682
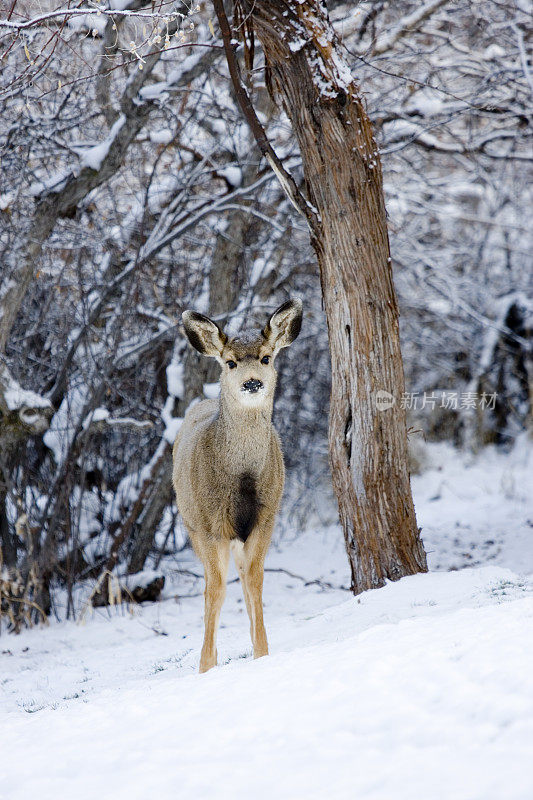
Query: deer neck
pixel 243 437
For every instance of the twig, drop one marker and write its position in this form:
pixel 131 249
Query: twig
pixel 316 581
pixel 281 570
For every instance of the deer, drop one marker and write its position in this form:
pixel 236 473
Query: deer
pixel 228 472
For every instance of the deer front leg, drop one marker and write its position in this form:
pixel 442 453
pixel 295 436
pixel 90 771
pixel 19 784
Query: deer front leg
pixel 237 548
pixel 254 559
pixel 254 580
pixel 215 560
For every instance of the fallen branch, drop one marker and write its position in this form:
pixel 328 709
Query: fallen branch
pixel 281 570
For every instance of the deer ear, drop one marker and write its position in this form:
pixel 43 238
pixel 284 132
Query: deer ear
pixel 204 334
pixel 284 325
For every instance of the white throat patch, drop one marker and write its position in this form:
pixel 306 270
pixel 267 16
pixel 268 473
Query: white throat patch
pixel 252 400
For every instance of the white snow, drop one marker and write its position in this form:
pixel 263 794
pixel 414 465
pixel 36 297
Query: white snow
pixel 87 22
pixel 427 103
pixel 172 424
pixel 17 398
pixel 162 136
pixel 175 387
pixel 232 174
pixel 423 688
pixel 344 75
pixel 63 424
pixel 119 5
pixel 98 415
pixel 155 91
pixel 219 126
pixel 55 183
pixel 175 382
pixel 493 51
pixel 439 305
pixel 212 390
pixel 140 579
pixel 188 63
pixel 297 44
pixel 159 90
pixel 93 157
pixel 261 268
pixel 6 198
pixel 479 512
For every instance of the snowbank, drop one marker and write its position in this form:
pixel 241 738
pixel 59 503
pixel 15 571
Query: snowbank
pixel 420 689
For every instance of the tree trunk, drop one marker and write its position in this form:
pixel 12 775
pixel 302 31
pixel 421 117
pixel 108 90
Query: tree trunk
pixel 367 428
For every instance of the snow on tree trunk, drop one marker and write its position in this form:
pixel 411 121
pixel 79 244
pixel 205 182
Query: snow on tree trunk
pixel 367 438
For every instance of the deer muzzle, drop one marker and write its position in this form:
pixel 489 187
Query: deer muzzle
pixel 252 386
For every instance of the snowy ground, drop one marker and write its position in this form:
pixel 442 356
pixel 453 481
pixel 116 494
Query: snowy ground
pixel 421 689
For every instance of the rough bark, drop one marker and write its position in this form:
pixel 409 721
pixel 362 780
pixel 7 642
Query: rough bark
pixel 368 446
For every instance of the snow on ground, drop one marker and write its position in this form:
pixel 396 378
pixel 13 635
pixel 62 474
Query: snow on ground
pixel 478 513
pixel 421 689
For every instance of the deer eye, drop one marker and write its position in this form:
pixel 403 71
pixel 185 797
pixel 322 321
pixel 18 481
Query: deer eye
pixel 265 360
pixel 231 364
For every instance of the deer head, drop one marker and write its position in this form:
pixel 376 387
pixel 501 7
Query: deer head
pixel 248 373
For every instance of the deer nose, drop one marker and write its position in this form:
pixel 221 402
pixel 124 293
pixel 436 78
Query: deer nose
pixel 252 386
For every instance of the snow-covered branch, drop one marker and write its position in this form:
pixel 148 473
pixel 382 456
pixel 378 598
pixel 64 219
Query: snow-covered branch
pixel 23 412
pixel 62 14
pixel 348 26
pixel 58 197
pixel 386 41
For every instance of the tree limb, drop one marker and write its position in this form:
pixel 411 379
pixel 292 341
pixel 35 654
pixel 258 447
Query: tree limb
pixel 58 201
pixel 286 180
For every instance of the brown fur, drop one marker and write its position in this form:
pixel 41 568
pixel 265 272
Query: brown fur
pixel 228 469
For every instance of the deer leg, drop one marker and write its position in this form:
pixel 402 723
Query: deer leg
pixel 237 548
pixel 254 570
pixel 216 558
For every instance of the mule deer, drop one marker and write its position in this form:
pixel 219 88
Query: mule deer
pixel 228 469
